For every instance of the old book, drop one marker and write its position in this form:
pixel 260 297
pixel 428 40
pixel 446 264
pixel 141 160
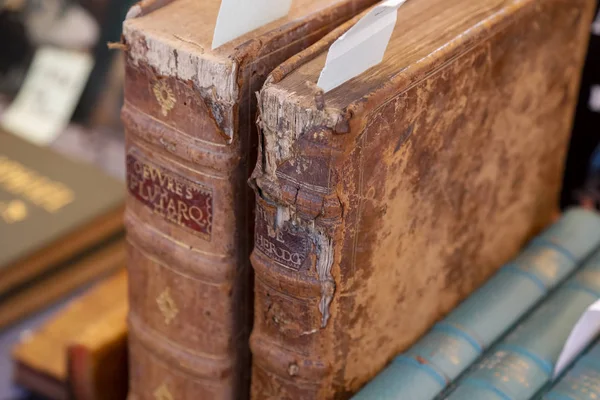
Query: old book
pixel 95 324
pixel 454 343
pixel 52 209
pixel 523 362
pixel 97 365
pixel 190 124
pixel 386 201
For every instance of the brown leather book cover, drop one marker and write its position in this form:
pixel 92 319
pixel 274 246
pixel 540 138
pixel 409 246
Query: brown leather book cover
pixel 51 209
pixel 386 201
pixel 95 325
pixel 190 124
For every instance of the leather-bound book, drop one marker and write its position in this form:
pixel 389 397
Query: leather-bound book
pixel 93 327
pixel 384 202
pixel 191 146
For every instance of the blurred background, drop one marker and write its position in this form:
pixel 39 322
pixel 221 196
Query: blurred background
pixel 81 29
pixel 61 90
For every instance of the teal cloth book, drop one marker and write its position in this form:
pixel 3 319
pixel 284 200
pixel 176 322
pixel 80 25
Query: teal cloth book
pixel 453 344
pixel 522 363
pixel 582 382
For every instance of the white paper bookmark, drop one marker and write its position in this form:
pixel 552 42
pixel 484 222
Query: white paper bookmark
pixel 582 335
pixel 237 17
pixel 362 47
pixel 49 95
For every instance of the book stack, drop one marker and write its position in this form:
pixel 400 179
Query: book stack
pixel 60 226
pixel 378 200
pixel 80 353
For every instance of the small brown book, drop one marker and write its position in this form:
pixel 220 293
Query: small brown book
pixel 52 210
pixel 384 202
pixel 190 124
pixel 82 352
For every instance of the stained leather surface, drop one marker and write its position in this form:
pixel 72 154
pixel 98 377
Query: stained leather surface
pixel 434 179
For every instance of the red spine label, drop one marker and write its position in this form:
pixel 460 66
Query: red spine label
pixel 173 197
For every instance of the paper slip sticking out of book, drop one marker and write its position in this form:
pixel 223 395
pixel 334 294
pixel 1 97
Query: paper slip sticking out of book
pixel 237 17
pixel 49 95
pixel 362 47
pixel 582 335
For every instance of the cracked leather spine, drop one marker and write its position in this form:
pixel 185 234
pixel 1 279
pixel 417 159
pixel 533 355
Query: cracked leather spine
pixel 189 289
pixel 297 218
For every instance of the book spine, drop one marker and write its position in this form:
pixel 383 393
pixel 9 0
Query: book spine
pixel 293 289
pixel 456 342
pixel 186 218
pixel 297 221
pixel 522 363
pixel 582 381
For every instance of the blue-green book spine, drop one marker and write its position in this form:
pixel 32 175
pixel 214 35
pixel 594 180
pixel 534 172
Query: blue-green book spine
pixel 457 341
pixel 582 382
pixel 522 363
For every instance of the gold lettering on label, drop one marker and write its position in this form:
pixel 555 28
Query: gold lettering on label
pixel 163 393
pixel 176 199
pixel 165 97
pixel 19 180
pixel 278 253
pixel 167 306
pixel 286 245
pixel 13 211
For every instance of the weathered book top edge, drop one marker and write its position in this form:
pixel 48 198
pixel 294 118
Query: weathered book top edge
pixel 175 40
pixel 296 87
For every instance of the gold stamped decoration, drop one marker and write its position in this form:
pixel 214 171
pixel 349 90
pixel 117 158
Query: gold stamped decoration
pixel 167 306
pixel 162 393
pixel 164 95
pixel 14 211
